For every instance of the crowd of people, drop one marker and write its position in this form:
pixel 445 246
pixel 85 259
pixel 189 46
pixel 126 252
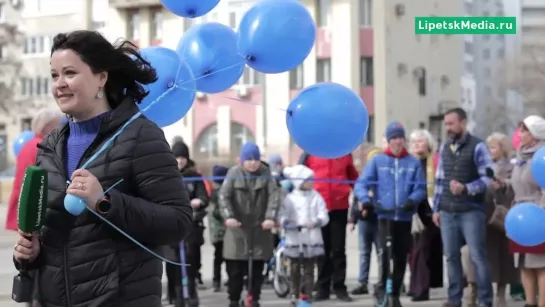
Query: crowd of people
pixel 434 201
pixel 429 201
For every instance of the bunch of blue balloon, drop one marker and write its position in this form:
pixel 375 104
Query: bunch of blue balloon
pixel 524 222
pixel 274 36
pixel 21 140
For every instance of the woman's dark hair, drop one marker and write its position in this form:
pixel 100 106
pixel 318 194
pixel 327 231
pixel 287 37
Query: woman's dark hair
pixel 127 70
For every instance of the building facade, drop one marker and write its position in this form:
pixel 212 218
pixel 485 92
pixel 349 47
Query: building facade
pixel 369 46
pixel 10 61
pixel 38 22
pixel 532 54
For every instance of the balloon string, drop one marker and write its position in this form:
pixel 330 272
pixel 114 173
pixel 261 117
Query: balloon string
pixel 211 74
pixel 126 234
pixel 329 180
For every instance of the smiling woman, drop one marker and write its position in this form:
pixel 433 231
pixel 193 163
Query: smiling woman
pixel 81 261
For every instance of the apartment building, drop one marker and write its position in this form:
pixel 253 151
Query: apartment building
pixel 369 46
pixel 38 22
pixel 532 47
pixel 10 124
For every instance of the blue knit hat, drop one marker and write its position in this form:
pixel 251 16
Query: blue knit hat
pixel 275 159
pixel 250 151
pixel 395 130
pixel 219 171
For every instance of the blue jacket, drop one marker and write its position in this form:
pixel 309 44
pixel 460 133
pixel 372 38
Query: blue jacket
pixel 394 181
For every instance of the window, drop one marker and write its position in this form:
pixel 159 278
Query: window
pixel 488 91
pixel 487 72
pixel 233 20
pixel 468 8
pixel 156 25
pixel 297 78
pixel 501 53
pixel 39 86
pixel 250 77
pixel 468 47
pixel 371 130
pixel 46 86
pixel 486 37
pixel 468 67
pixel 486 54
pixel 26 124
pixel 422 81
pixel 207 143
pixel 366 13
pixel 366 71
pixel 3 52
pixel 486 13
pixel 323 70
pixel 133 25
pixel 322 10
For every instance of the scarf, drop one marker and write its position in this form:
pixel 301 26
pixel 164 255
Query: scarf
pixel 430 173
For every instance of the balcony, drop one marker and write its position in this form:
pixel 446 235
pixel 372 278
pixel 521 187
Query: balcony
pixel 124 4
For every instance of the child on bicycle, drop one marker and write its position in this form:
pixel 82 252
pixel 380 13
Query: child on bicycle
pixel 398 184
pixel 303 214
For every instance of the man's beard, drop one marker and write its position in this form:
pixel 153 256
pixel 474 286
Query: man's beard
pixel 455 135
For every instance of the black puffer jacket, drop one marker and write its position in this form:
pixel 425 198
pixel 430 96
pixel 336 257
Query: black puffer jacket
pixel 85 262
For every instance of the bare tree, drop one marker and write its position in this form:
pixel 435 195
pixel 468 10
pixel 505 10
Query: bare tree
pixel 525 74
pixel 11 66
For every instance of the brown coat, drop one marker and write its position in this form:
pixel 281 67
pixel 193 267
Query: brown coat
pixel 501 261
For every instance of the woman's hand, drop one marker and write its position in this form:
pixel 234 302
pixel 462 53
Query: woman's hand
pixel 498 184
pixel 86 185
pixel 26 249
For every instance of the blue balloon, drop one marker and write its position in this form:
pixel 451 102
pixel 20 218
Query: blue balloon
pixel 538 167
pixel 75 205
pixel 190 8
pixel 173 75
pixel 524 224
pixel 327 120
pixel 21 140
pixel 210 50
pixel 276 35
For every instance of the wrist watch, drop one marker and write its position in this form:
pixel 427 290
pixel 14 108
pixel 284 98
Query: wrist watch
pixel 103 205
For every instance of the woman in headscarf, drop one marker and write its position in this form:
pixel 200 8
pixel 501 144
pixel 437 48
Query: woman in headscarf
pixel 427 255
pixel 530 260
pixel 501 261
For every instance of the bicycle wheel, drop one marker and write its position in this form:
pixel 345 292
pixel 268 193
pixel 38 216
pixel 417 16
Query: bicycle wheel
pixel 281 286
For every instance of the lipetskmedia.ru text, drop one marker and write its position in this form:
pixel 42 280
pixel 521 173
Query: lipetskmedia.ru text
pixel 465 25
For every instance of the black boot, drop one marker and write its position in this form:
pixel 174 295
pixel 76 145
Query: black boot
pixel 217 285
pixel 360 290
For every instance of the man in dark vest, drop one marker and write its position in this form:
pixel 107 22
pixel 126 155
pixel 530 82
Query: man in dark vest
pixel 460 185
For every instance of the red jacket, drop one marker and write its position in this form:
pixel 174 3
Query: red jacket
pixel 336 195
pixel 26 158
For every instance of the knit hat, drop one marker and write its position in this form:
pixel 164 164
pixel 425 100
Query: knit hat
pixel 250 151
pixel 395 130
pixel 275 159
pixel 180 149
pixel 298 174
pixel 219 171
pixel 536 126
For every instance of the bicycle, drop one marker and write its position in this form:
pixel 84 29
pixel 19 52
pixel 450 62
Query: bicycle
pixel 279 266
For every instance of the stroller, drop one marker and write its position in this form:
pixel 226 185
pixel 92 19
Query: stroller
pixel 279 265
